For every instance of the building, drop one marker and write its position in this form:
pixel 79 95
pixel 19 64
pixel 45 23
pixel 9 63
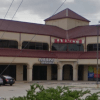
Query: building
pixel 62 49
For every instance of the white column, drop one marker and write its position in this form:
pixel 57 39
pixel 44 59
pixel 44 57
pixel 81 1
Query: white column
pixel 85 73
pixel 48 72
pixel 19 45
pixel 29 73
pixel 59 71
pixel 75 72
pixel 19 72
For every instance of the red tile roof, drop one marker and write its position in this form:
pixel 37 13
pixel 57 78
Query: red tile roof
pixel 24 27
pixel 67 13
pixel 40 29
pixel 82 31
pixel 47 54
pixel 26 53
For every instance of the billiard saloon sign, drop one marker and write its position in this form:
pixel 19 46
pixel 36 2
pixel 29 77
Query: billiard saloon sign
pixel 46 60
pixel 72 41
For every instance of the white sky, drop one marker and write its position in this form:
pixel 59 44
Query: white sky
pixel 35 11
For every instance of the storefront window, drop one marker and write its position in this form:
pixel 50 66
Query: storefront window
pixel 92 73
pixel 93 47
pixel 75 47
pixel 8 44
pixel 35 45
pixel 69 47
pixel 59 47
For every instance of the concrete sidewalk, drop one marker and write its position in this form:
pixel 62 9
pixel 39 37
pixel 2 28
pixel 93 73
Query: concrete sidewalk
pixel 20 87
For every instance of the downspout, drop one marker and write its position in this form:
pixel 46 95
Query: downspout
pixel 50 43
pixel 85 44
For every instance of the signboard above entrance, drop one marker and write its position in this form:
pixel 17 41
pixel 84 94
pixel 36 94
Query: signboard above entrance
pixel 46 60
pixel 68 41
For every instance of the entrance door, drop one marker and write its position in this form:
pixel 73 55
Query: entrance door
pixel 80 72
pixel 24 72
pixel 67 72
pixel 54 72
pixel 39 72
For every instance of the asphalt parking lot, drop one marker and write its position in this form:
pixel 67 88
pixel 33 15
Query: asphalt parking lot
pixel 19 88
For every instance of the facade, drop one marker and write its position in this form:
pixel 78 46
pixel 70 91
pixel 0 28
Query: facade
pixel 62 49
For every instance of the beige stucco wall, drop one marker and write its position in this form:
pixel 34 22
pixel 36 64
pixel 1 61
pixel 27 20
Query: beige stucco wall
pixel 72 23
pixel 19 72
pixel 9 35
pixel 37 38
pixel 91 40
pixel 21 60
pixel 62 23
pixel 66 23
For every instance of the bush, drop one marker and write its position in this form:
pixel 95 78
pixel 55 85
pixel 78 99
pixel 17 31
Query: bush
pixel 58 93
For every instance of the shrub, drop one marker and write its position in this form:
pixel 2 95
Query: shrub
pixel 58 93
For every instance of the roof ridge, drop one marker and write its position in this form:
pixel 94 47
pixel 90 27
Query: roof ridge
pixel 66 13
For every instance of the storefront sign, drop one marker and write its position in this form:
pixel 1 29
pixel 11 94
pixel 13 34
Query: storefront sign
pixel 90 72
pixel 95 76
pixel 46 60
pixel 73 41
pixel 90 69
pixel 90 75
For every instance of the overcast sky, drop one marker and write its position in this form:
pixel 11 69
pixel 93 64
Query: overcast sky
pixel 36 11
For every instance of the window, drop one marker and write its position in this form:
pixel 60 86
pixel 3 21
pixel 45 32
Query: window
pixel 75 47
pixel 8 44
pixel 93 47
pixel 35 45
pixel 59 47
pixel 67 47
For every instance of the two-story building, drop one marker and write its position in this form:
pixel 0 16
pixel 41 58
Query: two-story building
pixel 62 49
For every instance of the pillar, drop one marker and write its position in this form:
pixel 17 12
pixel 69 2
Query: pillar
pixel 19 72
pixel 59 71
pixel 19 45
pixel 29 72
pixel 48 72
pixel 85 73
pixel 75 72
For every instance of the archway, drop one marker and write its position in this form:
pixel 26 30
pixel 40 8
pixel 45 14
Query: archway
pixel 67 72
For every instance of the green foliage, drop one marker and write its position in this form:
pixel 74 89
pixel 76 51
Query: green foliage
pixel 37 92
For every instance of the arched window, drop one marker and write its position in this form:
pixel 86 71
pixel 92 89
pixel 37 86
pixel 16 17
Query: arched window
pixel 35 45
pixel 8 44
pixel 93 47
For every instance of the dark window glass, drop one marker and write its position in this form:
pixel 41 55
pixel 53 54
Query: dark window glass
pixel 59 47
pixel 35 45
pixel 45 46
pixel 31 45
pixel 93 47
pixel 39 46
pixel 13 44
pixel 75 47
pixel 25 45
pixel 8 44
